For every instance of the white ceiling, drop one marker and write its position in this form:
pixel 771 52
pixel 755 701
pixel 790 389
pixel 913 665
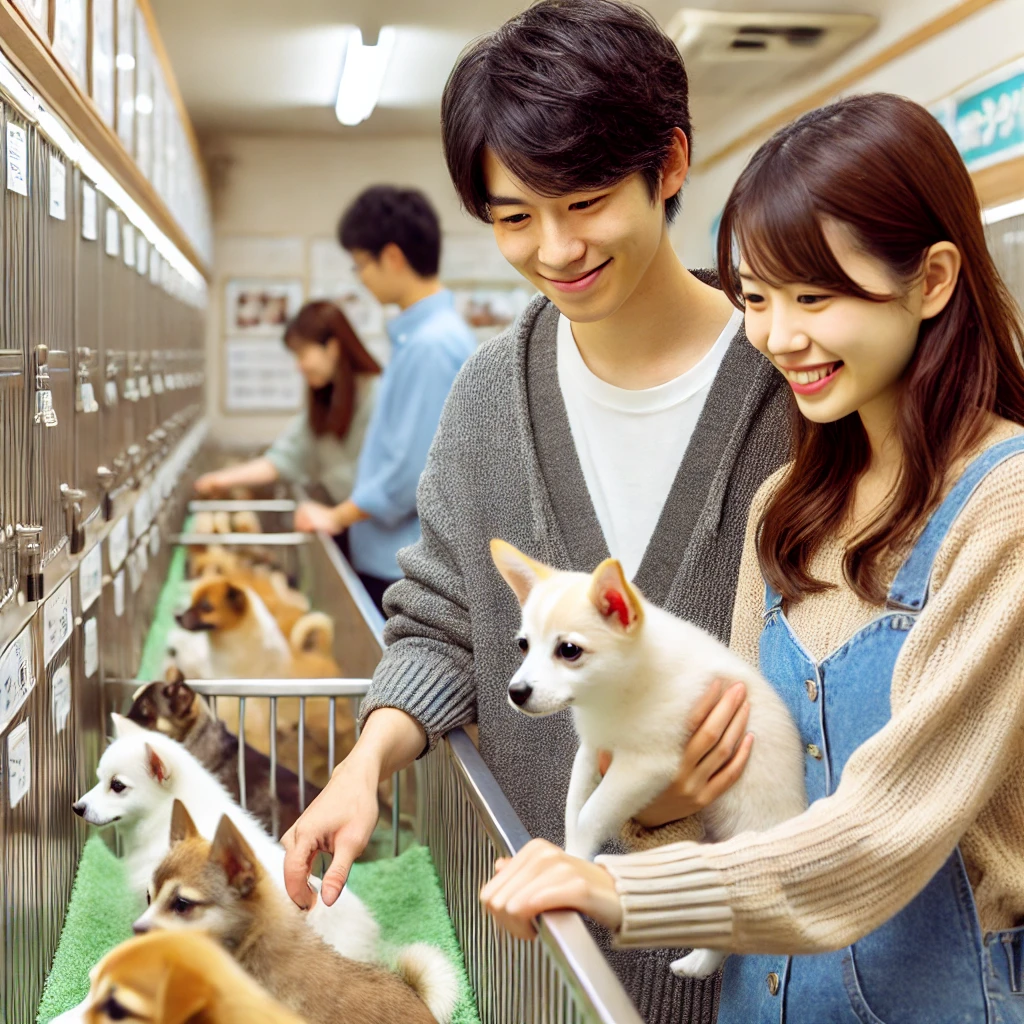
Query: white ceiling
pixel 272 66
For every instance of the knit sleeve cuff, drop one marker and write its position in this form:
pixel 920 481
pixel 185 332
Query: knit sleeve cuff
pixel 671 897
pixel 429 688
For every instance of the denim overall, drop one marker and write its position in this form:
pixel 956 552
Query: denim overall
pixel 930 963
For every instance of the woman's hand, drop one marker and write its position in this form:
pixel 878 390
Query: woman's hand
pixel 542 877
pixel 209 485
pixel 312 517
pixel 713 759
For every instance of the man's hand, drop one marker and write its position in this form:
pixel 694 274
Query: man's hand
pixel 713 759
pixel 342 818
pixel 542 877
pixel 312 517
pixel 340 821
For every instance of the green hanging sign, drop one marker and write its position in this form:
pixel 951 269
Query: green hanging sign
pixel 986 120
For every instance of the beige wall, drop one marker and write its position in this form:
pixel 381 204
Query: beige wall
pixel 979 44
pixel 288 191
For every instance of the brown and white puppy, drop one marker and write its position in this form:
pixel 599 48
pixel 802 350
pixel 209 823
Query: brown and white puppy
pixel 246 643
pixel 173 708
pixel 174 978
pixel 221 888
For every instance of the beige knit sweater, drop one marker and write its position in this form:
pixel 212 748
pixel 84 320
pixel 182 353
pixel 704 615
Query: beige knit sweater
pixel 948 768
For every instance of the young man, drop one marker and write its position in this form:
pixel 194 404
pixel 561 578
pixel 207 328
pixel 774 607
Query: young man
pixel 624 413
pixel 394 238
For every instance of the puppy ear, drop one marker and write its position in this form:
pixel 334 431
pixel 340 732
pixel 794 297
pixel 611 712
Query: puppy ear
pixel 155 766
pixel 519 571
pixel 236 598
pixel 232 853
pixel 183 993
pixel 182 825
pixel 124 726
pixel 613 596
pixel 178 694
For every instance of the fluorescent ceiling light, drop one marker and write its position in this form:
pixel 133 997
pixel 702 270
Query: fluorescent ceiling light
pixel 363 75
pixel 994 214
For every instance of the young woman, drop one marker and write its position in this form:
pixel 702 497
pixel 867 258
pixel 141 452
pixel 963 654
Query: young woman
pixel 321 445
pixel 880 592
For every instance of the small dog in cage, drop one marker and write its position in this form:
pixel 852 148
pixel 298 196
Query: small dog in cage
pixel 142 773
pixel 174 978
pixel 631 673
pixel 222 888
pixel 173 708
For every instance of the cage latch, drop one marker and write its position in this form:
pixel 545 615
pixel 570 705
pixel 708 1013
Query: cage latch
pixel 85 400
pixel 107 478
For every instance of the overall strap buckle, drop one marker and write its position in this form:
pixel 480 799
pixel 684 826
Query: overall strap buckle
pixel 1011 943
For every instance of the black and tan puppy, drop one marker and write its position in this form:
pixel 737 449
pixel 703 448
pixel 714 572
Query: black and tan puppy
pixel 173 708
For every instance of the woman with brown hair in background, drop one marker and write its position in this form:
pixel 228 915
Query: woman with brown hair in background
pixel 320 445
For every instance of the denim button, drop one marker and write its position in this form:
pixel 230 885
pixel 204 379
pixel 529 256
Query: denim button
pixel 773 983
pixel 812 688
pixel 814 750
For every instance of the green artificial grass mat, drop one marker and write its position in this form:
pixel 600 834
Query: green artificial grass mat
pixel 403 893
pixel 152 660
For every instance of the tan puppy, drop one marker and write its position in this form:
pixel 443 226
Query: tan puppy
pixel 174 978
pixel 247 643
pixel 222 889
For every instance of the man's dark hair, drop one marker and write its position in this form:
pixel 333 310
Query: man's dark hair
pixel 571 96
pixel 384 214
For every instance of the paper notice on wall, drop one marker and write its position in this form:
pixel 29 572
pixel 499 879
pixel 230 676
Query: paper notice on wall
pixel 61 698
pixel 112 232
pixel 17 677
pixel 57 622
pixel 90 647
pixel 117 544
pixel 128 244
pixel 58 188
pixel 19 764
pixel 17 159
pixel 90 578
pixel 260 375
pixel 90 229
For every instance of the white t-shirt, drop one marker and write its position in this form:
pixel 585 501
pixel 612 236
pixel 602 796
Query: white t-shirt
pixel 630 443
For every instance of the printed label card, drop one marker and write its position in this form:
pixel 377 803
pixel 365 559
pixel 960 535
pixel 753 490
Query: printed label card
pixel 19 765
pixel 61 698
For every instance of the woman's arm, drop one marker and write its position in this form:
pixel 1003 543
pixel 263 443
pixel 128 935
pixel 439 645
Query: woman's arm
pixel 249 474
pixel 907 795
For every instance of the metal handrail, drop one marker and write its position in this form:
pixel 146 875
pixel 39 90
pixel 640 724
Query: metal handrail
pixel 279 687
pixel 231 505
pixel 242 539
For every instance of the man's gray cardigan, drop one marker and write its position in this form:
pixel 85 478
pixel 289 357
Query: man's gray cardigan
pixel 503 464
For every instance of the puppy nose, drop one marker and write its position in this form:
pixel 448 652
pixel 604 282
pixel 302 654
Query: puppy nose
pixel 519 693
pixel 79 808
pixel 140 927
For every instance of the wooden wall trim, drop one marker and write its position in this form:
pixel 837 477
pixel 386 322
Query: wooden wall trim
pixel 823 94
pixel 63 95
pixel 1000 183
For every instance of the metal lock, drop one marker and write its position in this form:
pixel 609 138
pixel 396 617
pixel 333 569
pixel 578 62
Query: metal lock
pixel 72 499
pixel 85 400
pixel 134 462
pixel 30 560
pixel 45 412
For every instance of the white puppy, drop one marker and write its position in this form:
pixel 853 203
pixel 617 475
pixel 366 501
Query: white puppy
pixel 140 775
pixel 631 674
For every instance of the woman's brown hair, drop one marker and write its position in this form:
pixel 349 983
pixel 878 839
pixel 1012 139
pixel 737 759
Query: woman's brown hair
pixel 886 169
pixel 331 407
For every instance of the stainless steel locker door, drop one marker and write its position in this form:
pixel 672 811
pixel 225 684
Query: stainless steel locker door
pixel 14 510
pixel 89 364
pixel 51 335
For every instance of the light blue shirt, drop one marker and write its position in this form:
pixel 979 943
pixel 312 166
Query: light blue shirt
pixel 430 342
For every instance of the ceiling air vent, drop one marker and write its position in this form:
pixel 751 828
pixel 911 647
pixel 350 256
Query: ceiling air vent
pixel 729 53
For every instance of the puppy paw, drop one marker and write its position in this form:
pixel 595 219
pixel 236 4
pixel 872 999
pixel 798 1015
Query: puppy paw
pixel 701 963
